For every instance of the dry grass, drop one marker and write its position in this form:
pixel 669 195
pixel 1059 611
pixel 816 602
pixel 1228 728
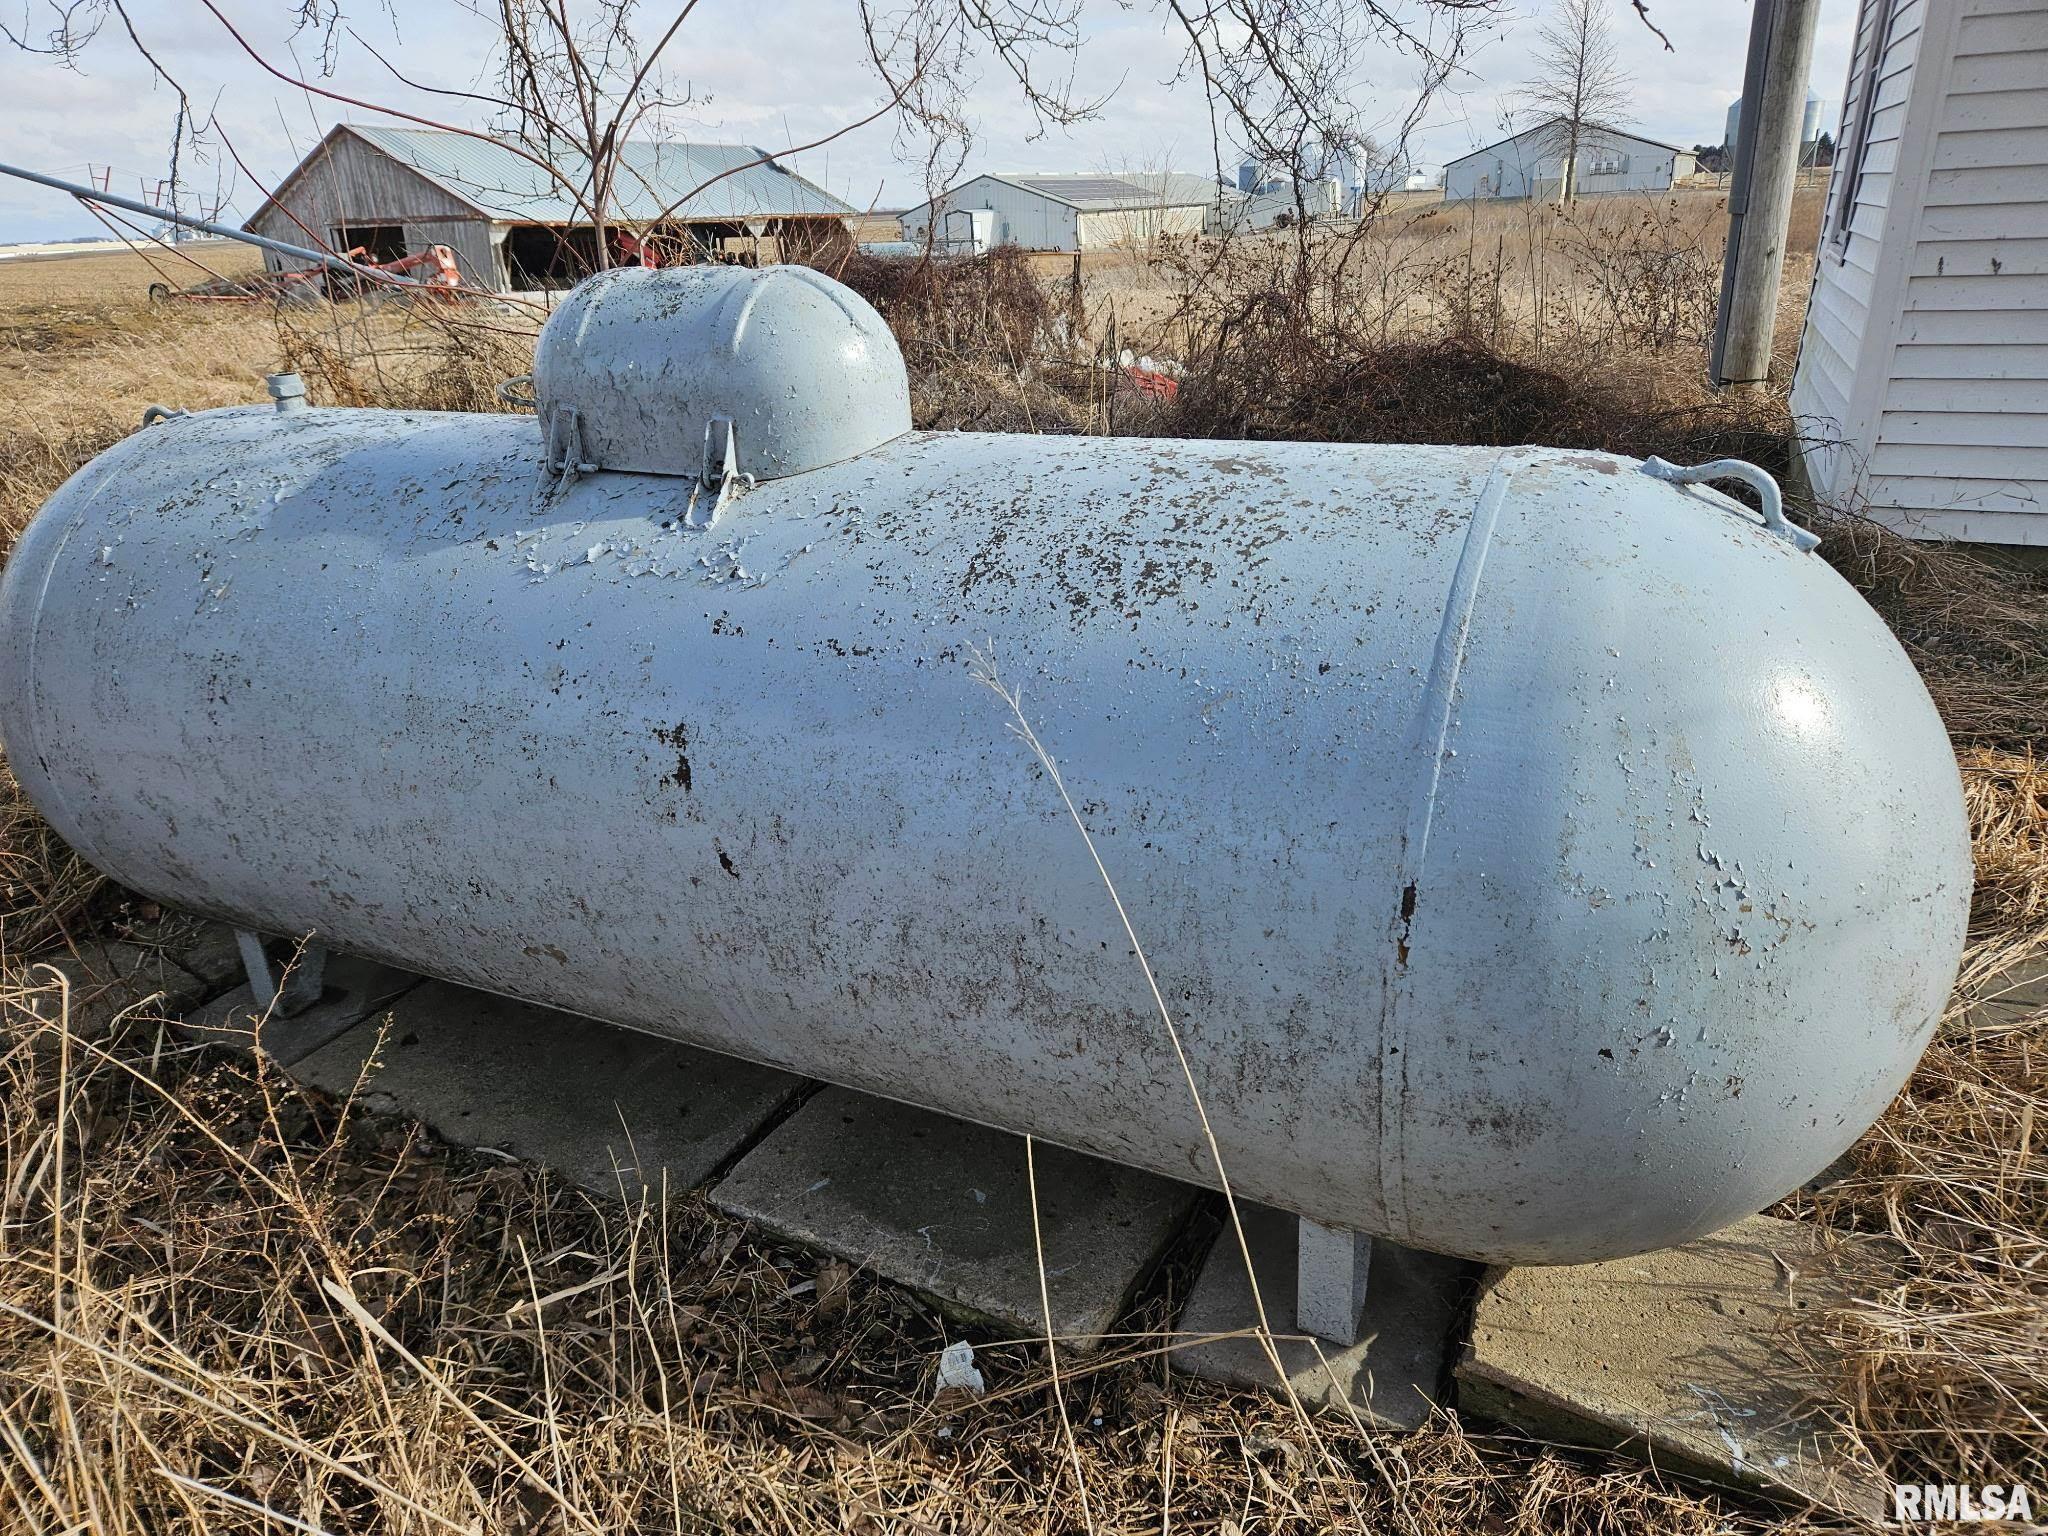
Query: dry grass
pixel 229 1305
pixel 218 1288
pixel 117 275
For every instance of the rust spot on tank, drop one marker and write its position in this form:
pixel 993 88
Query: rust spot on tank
pixel 1597 462
pixel 678 736
pixel 1407 919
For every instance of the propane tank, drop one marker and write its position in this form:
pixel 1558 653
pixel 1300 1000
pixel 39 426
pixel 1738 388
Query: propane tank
pixel 1543 860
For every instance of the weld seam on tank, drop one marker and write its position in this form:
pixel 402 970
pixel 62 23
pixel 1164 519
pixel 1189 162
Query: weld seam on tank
pixel 1433 720
pixel 1580 884
pixel 32 686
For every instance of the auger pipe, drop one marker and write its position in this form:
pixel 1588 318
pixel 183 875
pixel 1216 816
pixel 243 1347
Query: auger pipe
pixel 115 200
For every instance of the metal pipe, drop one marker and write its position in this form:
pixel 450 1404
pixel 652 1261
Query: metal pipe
pixel 115 200
pixel 1760 196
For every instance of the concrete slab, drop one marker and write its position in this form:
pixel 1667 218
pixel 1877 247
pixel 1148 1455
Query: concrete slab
pixel 944 1207
pixel 606 1107
pixel 107 979
pixel 1389 1379
pixel 355 990
pixel 2009 1000
pixel 197 944
pixel 1679 1356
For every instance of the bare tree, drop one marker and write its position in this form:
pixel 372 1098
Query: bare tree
pixel 1580 84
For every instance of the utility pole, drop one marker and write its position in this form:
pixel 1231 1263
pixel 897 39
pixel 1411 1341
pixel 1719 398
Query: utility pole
pixel 1760 196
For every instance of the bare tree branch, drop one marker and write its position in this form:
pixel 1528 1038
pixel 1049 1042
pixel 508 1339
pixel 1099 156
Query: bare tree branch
pixel 1643 15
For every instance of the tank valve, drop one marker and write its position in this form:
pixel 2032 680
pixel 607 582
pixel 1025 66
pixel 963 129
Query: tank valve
pixel 288 390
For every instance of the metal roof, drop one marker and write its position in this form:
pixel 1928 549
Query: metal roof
pixel 1137 189
pixel 1551 123
pixel 670 180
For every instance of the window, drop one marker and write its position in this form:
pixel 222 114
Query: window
pixel 1606 162
pixel 384 242
pixel 1856 115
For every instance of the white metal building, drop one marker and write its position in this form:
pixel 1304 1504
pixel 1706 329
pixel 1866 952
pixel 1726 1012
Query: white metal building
pixel 1921 394
pixel 1073 212
pixel 1282 205
pixel 1531 162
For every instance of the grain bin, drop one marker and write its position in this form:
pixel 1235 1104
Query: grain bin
pixel 1544 861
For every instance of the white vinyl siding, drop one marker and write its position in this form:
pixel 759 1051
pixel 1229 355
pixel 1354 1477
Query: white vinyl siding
pixel 1986 432
pixel 1923 374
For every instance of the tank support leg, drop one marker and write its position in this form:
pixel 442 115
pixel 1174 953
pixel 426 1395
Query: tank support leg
pixel 1331 1269
pixel 299 986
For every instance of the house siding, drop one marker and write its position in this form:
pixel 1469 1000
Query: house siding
pixel 1922 388
pixel 1832 357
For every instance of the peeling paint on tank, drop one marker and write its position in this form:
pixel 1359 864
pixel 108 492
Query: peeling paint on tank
pixel 435 695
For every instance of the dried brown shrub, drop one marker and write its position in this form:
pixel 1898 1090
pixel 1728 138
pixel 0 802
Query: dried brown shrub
pixel 991 305
pixel 406 354
pixel 228 1304
pixel 1269 369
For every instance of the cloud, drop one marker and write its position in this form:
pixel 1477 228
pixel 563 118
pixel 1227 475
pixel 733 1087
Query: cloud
pixel 775 74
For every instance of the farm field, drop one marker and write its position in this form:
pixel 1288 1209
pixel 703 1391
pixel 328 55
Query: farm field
pixel 538 1360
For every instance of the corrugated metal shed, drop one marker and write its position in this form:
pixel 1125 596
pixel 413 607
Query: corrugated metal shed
pixel 1528 164
pixel 1137 189
pixel 1049 212
pixel 681 183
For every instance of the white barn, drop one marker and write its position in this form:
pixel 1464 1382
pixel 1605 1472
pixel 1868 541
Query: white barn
pixel 1071 212
pixel 1530 164
pixel 1282 206
pixel 1921 395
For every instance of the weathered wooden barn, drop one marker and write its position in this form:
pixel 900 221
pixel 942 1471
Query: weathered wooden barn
pixel 512 226
pixel 1921 395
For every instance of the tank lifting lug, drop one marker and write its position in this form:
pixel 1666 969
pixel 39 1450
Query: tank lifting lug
pixel 565 459
pixel 721 472
pixel 296 990
pixel 1332 1267
pixel 1755 477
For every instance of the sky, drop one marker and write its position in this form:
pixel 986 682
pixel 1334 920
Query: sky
pixel 773 73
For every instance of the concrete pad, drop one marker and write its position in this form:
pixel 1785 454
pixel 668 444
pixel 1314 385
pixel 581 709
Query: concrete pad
pixel 945 1208
pixel 1389 1379
pixel 610 1109
pixel 107 979
pixel 2009 1000
pixel 197 944
pixel 354 990
pixel 1678 1356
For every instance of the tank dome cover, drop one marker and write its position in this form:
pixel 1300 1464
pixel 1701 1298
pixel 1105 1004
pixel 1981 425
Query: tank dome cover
pixel 648 360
